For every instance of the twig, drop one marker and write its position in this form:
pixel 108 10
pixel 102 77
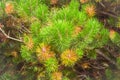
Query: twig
pixel 107 58
pixel 7 36
pixel 102 4
pixel 109 14
pixel 24 28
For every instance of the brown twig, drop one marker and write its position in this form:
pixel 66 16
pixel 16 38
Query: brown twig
pixel 106 13
pixel 107 58
pixel 9 37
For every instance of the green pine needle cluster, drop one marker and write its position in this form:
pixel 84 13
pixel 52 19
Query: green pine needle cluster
pixel 57 27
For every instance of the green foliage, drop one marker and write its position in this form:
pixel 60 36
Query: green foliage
pixel 102 38
pixel 91 29
pixel 1 9
pixel 35 28
pixel 69 13
pixel 109 74
pixel 82 17
pixel 41 12
pixel 92 54
pixel 25 53
pixel 116 39
pixel 58 35
pixel 32 8
pixel 91 34
pixel 79 52
pixel 65 78
pixel 51 65
pixel 26 7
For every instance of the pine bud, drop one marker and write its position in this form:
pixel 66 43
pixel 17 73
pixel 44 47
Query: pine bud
pixel 56 76
pixel 9 8
pixel 90 10
pixel 69 58
pixel 83 1
pixel 112 34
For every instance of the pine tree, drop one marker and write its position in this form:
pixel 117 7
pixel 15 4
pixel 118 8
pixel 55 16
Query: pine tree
pixel 59 37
